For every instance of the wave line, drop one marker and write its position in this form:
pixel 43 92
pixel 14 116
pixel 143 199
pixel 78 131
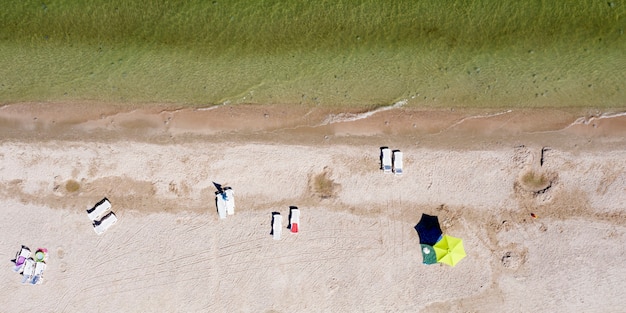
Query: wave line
pixel 351 117
pixel 473 117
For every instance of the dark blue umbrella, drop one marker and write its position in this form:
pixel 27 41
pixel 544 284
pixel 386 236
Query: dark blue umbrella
pixel 219 187
pixel 428 229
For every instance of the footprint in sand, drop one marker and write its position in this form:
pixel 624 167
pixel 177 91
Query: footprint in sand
pixel 522 157
pixel 60 252
pixel 512 260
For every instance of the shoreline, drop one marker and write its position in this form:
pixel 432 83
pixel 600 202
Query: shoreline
pixel 444 128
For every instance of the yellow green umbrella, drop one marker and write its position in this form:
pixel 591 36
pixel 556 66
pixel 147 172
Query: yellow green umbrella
pixel 449 250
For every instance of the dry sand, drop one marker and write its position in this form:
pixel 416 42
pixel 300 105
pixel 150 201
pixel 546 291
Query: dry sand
pixel 356 251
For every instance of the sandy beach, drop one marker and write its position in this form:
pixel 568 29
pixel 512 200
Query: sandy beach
pixel 357 250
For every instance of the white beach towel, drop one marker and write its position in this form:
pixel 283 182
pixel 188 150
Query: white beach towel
pixel 20 258
pixel 107 221
pixel 277 226
pixel 397 162
pixel 222 208
pixel 294 222
pixel 386 160
pixel 230 200
pixel 29 270
pixel 38 273
pixel 99 209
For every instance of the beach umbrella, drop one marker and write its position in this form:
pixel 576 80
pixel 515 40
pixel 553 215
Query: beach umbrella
pixel 428 254
pixel 41 255
pixel 449 250
pixel 428 229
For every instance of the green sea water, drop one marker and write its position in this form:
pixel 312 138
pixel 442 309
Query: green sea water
pixel 482 53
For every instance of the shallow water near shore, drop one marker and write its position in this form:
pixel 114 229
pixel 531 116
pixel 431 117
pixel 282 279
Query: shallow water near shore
pixel 333 54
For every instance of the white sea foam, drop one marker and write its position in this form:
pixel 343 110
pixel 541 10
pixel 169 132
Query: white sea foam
pixel 585 120
pixel 475 117
pixel 351 117
pixel 213 107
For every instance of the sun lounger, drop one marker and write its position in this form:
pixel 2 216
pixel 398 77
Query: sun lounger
pixel 386 160
pixel 29 270
pixel 107 221
pixel 38 273
pixel 230 200
pixel 294 220
pixel 20 258
pixel 220 201
pixel 397 162
pixel 277 226
pixel 99 209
